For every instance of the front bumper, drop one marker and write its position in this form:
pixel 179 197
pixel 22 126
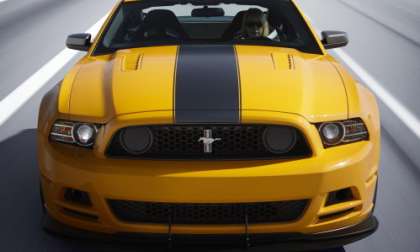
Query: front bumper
pixel 353 166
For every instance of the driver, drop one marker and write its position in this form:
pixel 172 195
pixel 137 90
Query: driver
pixel 254 25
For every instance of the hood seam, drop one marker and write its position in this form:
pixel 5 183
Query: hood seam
pixel 344 86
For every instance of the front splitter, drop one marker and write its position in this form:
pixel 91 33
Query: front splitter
pixel 279 241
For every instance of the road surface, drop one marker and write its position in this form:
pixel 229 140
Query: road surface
pixel 385 44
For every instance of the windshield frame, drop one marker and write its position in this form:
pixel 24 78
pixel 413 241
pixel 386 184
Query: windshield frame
pixel 97 50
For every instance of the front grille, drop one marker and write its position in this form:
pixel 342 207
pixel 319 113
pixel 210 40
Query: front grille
pixel 163 213
pixel 181 142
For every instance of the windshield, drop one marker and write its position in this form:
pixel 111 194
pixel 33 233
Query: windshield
pixel 148 23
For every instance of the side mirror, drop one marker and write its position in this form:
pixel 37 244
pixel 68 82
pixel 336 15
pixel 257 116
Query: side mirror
pixel 80 42
pixel 334 39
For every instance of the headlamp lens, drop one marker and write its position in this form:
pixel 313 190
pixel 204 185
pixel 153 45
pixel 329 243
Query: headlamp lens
pixel 85 134
pixel 332 132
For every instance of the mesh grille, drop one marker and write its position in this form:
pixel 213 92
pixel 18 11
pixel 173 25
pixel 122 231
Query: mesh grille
pixel 161 213
pixel 181 142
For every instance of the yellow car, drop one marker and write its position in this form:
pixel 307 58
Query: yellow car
pixel 196 119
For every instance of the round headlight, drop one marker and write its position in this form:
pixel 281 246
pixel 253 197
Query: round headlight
pixel 279 140
pixel 85 134
pixel 332 133
pixel 136 140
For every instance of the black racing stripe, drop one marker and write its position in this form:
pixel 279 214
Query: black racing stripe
pixel 207 85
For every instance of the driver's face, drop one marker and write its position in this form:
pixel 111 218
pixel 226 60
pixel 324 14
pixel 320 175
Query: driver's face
pixel 254 27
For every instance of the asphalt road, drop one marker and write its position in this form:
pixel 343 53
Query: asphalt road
pixel 384 41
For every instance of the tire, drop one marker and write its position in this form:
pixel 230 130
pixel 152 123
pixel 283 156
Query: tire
pixel 375 196
pixel 41 197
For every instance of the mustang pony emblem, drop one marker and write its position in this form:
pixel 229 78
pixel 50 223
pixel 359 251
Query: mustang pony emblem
pixel 208 140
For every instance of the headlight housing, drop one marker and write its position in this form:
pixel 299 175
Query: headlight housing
pixel 342 132
pixel 81 134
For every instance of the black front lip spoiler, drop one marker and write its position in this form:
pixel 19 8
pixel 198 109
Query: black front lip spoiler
pixel 282 241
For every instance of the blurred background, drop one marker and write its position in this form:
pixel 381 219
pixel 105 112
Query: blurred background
pixel 383 54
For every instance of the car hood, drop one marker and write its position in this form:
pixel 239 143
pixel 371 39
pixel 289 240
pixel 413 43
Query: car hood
pixel 144 79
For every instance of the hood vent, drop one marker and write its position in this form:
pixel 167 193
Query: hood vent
pixel 291 61
pixel 132 62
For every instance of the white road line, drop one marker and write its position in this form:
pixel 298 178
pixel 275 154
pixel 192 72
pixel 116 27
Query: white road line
pixel 404 114
pixel 18 97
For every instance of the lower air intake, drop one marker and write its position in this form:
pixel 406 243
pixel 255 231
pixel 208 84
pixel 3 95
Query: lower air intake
pixel 162 213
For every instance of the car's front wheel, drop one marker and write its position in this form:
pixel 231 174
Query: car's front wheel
pixel 42 201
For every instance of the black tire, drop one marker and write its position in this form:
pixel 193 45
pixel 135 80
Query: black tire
pixel 375 196
pixel 41 197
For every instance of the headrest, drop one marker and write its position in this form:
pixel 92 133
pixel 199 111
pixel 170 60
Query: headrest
pixel 235 26
pixel 161 16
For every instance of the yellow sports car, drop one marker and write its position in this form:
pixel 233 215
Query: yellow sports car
pixel 196 119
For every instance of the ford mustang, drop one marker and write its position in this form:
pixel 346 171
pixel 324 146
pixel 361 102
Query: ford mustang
pixel 195 119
